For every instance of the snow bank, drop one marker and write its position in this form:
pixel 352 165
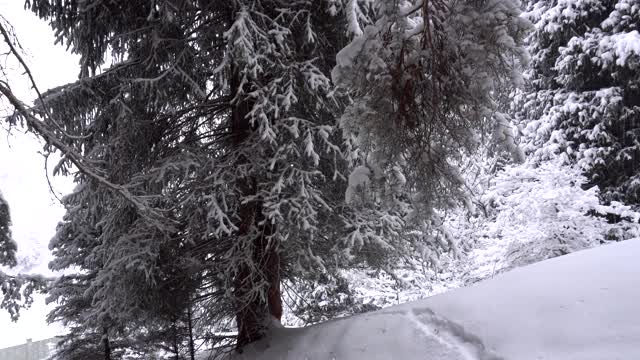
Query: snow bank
pixel 582 306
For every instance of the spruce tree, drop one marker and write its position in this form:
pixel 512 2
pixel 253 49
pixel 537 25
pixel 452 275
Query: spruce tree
pixel 17 289
pixel 8 247
pixel 583 97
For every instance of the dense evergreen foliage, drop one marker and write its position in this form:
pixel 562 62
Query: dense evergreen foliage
pixel 211 161
pixel 583 97
pixel 223 150
pixel 8 247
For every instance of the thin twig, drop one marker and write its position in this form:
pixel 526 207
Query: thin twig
pixel 46 174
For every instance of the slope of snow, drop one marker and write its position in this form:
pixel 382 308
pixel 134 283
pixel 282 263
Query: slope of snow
pixel 582 306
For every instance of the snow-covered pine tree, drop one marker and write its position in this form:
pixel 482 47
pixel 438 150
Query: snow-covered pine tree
pixel 424 77
pixel 210 159
pixel 583 95
pixel 213 137
pixel 534 213
pixel 8 247
pixel 17 289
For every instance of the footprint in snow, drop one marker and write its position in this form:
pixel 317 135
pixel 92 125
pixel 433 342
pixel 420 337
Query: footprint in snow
pixel 451 335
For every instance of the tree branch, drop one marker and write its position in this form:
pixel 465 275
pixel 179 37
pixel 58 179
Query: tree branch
pixel 42 129
pixel 16 53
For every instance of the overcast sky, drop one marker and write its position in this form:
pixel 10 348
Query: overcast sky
pixel 34 210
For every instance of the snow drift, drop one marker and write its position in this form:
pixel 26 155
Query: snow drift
pixel 582 306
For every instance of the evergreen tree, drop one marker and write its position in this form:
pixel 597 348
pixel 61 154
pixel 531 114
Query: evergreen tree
pixel 423 85
pixel 211 159
pixel 17 289
pixel 8 247
pixel 544 212
pixel 583 97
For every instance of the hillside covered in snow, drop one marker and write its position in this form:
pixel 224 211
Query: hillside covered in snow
pixel 582 306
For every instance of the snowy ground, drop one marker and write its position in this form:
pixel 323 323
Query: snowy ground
pixel 582 306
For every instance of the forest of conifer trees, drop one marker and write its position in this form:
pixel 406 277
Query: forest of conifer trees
pixel 241 163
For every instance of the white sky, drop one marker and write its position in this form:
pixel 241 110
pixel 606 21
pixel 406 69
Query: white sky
pixel 34 210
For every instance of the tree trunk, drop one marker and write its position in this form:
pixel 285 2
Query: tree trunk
pixel 107 346
pixel 253 313
pixel 192 351
pixel 176 350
